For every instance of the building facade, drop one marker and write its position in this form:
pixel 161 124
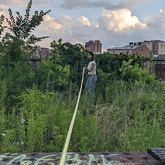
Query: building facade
pixel 126 49
pixel 119 51
pixel 156 46
pixel 144 50
pixel 38 55
pixel 40 52
pixel 95 47
pixel 131 49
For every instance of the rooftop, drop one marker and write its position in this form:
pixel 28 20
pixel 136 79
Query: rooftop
pixel 127 47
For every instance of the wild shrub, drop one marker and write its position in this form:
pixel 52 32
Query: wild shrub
pixel 9 142
pixel 34 119
pixel 51 75
pixel 131 73
pixel 15 51
pixel 43 121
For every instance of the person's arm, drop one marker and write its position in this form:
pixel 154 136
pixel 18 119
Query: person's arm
pixel 91 67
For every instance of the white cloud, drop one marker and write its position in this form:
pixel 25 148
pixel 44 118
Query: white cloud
pixel 3 13
pixel 64 27
pixel 162 12
pixel 14 2
pixel 25 2
pixel 3 7
pixel 49 24
pixel 75 41
pixel 84 21
pixel 156 23
pixel 70 4
pixel 45 43
pixel 73 3
pixel 114 28
pixel 122 28
pixel 131 3
pixel 104 50
pixel 120 19
pixel 48 3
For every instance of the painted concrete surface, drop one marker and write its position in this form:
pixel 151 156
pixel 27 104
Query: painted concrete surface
pixel 106 158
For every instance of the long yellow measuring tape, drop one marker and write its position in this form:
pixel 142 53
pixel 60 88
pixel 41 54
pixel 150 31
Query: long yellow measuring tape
pixel 64 151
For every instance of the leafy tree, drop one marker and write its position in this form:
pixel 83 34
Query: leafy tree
pixel 1 22
pixel 15 50
pixel 72 55
pixel 52 73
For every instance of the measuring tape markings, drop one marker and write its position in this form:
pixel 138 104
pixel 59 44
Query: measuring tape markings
pixel 64 152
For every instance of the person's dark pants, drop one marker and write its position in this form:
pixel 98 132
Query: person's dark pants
pixel 89 87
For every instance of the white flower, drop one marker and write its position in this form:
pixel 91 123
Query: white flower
pixel 22 120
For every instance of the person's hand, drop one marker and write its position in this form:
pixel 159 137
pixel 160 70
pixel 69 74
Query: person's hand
pixel 85 68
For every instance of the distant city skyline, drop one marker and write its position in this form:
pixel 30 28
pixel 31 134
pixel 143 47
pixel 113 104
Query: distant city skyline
pixel 157 47
pixel 113 22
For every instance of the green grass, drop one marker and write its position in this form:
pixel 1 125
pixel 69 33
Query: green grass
pixel 126 120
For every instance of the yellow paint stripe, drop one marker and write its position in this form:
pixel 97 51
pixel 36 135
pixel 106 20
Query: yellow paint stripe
pixel 64 151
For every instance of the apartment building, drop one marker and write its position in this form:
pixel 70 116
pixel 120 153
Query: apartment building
pixel 156 46
pixel 95 47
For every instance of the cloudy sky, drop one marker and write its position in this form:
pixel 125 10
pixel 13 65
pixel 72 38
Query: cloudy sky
pixel 113 22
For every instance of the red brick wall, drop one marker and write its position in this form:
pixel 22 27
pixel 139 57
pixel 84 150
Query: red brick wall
pixel 144 52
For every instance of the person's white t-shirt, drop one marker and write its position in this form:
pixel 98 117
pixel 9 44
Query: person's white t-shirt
pixel 94 69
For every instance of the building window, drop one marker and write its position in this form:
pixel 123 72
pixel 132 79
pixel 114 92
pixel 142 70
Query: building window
pixel 141 50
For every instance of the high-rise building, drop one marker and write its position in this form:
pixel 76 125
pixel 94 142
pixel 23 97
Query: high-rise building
pixel 156 46
pixel 95 47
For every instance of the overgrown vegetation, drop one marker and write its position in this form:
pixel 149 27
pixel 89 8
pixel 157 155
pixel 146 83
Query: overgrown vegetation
pixel 130 111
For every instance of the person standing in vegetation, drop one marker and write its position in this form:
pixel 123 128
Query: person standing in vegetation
pixel 92 77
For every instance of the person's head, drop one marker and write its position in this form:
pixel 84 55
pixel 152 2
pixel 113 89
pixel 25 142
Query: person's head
pixel 90 56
